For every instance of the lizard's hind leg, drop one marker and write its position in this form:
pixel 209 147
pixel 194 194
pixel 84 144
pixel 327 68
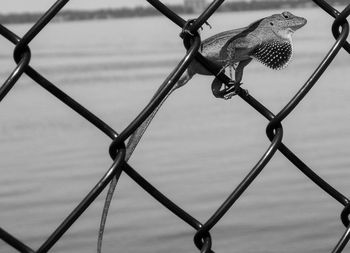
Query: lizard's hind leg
pixel 186 76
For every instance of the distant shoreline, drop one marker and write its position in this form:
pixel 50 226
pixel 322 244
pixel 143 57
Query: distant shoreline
pixel 75 15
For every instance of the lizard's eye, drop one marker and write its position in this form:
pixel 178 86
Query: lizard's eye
pixel 285 15
pixel 271 23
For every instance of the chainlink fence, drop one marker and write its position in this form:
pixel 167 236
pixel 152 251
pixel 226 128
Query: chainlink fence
pixel 118 150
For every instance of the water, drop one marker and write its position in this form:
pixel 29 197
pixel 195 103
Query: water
pixel 196 151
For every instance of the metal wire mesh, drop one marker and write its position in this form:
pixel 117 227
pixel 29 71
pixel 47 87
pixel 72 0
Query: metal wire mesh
pixel 274 130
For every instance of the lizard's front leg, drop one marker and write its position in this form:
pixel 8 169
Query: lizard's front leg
pixel 232 89
pixel 225 92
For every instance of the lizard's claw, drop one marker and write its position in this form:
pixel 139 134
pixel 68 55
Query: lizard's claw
pixel 225 91
pixel 234 88
pixel 185 28
pixel 229 95
pixel 246 92
pixel 206 22
pixel 231 90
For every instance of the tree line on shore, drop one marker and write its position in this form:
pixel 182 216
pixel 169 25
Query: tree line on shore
pixel 72 15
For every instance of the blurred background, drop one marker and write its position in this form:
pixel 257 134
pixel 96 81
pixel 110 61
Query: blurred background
pixel 196 151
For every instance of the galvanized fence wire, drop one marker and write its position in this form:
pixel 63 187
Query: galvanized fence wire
pixel 191 38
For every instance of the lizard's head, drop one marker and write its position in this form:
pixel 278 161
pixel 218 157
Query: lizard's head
pixel 276 49
pixel 284 24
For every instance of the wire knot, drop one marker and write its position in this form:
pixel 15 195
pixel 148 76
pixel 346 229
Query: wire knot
pixel 116 146
pixel 187 34
pixel 202 240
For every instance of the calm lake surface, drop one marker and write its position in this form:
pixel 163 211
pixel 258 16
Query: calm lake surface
pixel 196 151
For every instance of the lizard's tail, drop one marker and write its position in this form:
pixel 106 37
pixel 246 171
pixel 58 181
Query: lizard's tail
pixel 137 135
pixel 130 147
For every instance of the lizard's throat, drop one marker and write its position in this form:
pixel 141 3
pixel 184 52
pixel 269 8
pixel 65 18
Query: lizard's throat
pixel 274 54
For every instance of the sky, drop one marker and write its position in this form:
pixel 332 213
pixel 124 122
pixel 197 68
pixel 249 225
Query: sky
pixel 15 6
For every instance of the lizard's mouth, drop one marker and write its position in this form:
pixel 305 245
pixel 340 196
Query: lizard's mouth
pixel 290 30
pixel 299 25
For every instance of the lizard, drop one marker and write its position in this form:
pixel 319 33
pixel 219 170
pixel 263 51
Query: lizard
pixel 268 40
